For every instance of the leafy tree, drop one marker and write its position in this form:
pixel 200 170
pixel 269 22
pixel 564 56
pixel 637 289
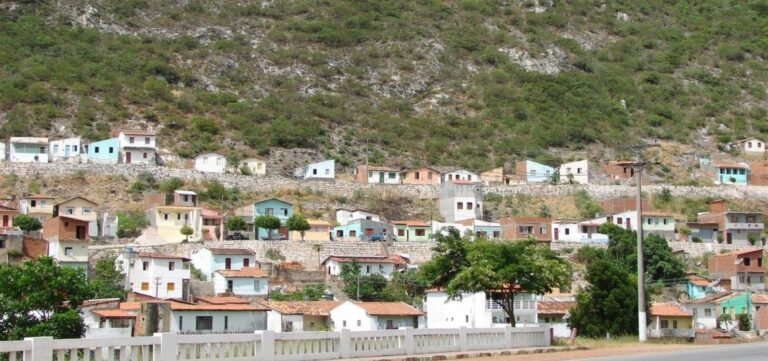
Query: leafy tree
pixel 41 298
pixel 307 293
pixel 298 222
pixel 608 304
pixel 107 281
pixel 507 268
pixel 407 287
pixel 130 224
pixel 268 222
pixel 360 287
pixel 215 192
pixel 236 224
pixel 171 184
pixel 274 255
pixel 658 260
pixel 586 205
pixel 187 231
pixel 27 223
pixel 317 248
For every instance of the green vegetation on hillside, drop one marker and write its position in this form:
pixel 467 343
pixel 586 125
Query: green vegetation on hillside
pixel 423 80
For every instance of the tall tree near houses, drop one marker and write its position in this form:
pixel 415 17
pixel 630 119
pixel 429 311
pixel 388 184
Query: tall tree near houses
pixel 298 222
pixel 503 268
pixel 268 222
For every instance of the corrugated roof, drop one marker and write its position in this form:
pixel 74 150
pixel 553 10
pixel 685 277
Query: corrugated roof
pixel 669 310
pixel 247 272
pixel 232 251
pixel 715 298
pixel 388 309
pixel 307 308
pixel 412 223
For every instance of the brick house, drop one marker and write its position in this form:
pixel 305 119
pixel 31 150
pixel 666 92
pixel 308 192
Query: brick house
pixel 420 175
pixel 744 268
pixel 620 169
pixel 521 228
pixel 68 241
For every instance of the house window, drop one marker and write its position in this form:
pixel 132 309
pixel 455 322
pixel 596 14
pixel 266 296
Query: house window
pixel 392 175
pixel 400 232
pixel 145 155
pixel 469 205
pixel 420 232
pixel 359 323
pixel 165 216
pixel 760 262
pixel 111 150
pixel 145 286
pixel 416 175
pixel 568 231
pixel 144 266
pixel 171 266
pixel 204 323
pixel 42 203
pixel 665 221
pixel 314 171
pixel 226 322
pixel 146 140
pixel 269 211
pixel 228 263
pixel 130 140
pixel 578 170
pixel 674 323
pixel 55 148
pixel 70 210
pixel 2 243
pixel 95 149
pixel 459 205
pixel 344 323
pixel 367 269
pixel 353 233
pixel 86 211
pixel 747 261
pixel 708 312
pixel 181 322
pixel 542 229
pixel 370 174
pixel 749 144
pixel 496 234
pixel 230 285
pixel 429 175
pixel 648 221
pixel 664 324
pixel 170 287
pixel 246 262
pixel 256 285
pixel 285 211
pixel 327 171
pixel 68 251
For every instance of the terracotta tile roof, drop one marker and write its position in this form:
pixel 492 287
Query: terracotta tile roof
pixel 247 272
pixel 698 280
pixel 8 207
pixel 525 220
pixel 307 308
pixel 553 307
pixel 113 313
pixel 37 196
pixel 388 309
pixel 364 259
pixel 380 168
pixel 73 219
pixel 411 223
pixel 34 247
pixel 78 197
pixel 715 298
pixel 318 222
pixel 209 213
pixel 181 306
pixel 760 298
pixel 130 306
pixel 746 251
pixel 232 251
pixel 155 255
pixel 669 309
pixel 220 300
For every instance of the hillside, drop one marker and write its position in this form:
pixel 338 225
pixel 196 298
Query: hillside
pixel 474 83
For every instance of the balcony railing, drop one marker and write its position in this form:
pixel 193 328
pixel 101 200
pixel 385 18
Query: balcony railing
pixel 671 332
pixel 519 305
pixel 755 226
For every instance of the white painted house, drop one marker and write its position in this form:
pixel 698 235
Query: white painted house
pixel 475 310
pixel 157 275
pixel 751 145
pixel 460 200
pixel 137 146
pixel 65 150
pixel 248 282
pixel 344 216
pixel 369 265
pixel 372 316
pixel 210 163
pixel 324 170
pixel 209 260
pixel 28 150
pixel 459 175
pixel 575 172
pixel 296 316
pixel 2 151
pixel 575 231
pixel 217 315
pixel 256 166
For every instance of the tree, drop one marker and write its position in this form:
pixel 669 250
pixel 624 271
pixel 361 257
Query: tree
pixel 307 293
pixel 27 223
pixel 362 288
pixel 268 222
pixel 586 205
pixel 236 224
pixel 187 231
pixel 130 224
pixel 505 268
pixel 107 281
pixel 171 184
pixel 274 255
pixel 609 303
pixel 39 298
pixel 658 260
pixel 298 222
pixel 317 247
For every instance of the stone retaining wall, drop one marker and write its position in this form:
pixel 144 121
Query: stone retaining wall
pixel 347 189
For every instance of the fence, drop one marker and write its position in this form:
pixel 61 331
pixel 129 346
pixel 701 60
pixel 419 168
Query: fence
pixel 271 346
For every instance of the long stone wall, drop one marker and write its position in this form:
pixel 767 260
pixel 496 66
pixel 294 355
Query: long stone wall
pixel 348 189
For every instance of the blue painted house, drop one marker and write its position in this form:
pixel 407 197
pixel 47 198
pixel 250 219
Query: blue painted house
pixel 533 172
pixel 103 151
pixel 698 287
pixel 362 229
pixel 275 207
pixel 731 173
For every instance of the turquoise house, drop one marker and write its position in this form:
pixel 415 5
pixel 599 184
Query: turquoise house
pixel 537 172
pixel 736 305
pixel 275 207
pixel 104 151
pixel 698 287
pixel 363 229
pixel 731 173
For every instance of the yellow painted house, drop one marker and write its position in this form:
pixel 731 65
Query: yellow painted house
pixel 670 320
pixel 169 213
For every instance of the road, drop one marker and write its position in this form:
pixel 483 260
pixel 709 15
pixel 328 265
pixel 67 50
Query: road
pixel 742 352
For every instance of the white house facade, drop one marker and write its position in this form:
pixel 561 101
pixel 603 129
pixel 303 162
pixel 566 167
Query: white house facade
pixel 574 231
pixel 137 147
pixel 248 282
pixel 575 172
pixel 344 216
pixel 210 260
pixel 752 146
pixel 65 150
pixel 372 316
pixel 325 170
pixel 211 316
pixel 256 166
pixel 210 163
pixel 156 275
pixel 28 150
pixel 459 175
pixel 369 265
pixel 475 310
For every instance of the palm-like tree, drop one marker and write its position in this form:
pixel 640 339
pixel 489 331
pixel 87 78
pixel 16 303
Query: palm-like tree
pixel 317 247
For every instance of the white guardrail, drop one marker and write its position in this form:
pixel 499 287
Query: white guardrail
pixel 271 346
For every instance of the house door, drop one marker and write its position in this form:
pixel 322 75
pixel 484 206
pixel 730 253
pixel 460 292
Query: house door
pixel 228 263
pixel 629 225
pixel 390 325
pixel 127 157
pixel 557 234
pixel 729 238
pixel 368 232
pixel 381 177
pixel 80 232
pixel 5 221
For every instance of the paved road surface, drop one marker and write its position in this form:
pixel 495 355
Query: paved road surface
pixel 743 352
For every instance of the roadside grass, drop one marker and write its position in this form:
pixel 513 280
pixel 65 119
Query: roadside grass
pixel 620 341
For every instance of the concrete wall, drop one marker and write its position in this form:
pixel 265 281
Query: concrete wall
pixel 237 321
